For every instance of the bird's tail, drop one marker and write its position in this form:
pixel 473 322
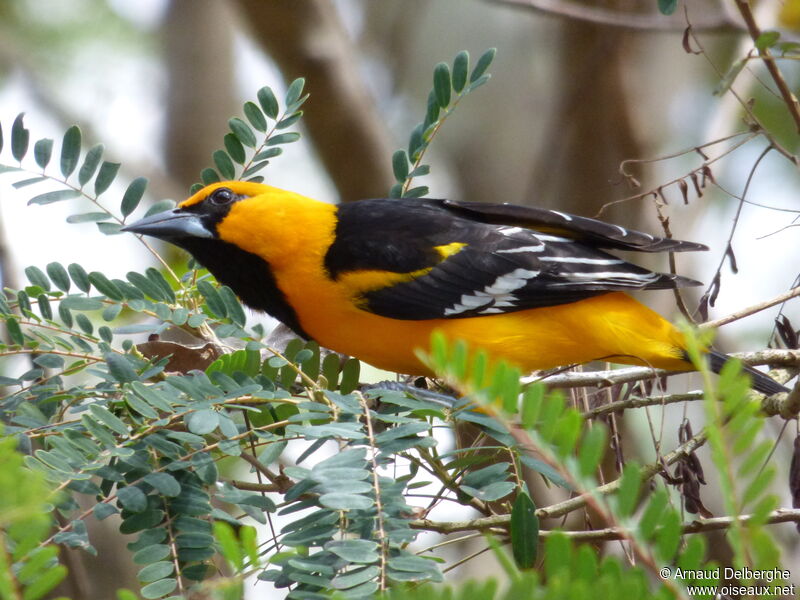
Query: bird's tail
pixel 760 382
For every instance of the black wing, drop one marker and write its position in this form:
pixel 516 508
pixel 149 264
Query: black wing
pixel 591 231
pixel 468 259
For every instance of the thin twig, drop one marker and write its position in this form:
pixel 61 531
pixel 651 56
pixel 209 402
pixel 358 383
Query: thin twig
pixel 755 32
pixel 751 310
pixel 380 530
pixel 615 407
pixel 781 515
pixel 746 107
pixel 750 135
pixel 777 357
pixel 714 287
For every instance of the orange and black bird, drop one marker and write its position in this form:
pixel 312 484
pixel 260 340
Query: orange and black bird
pixel 374 278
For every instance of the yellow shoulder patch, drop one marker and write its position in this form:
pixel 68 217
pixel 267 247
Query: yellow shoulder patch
pixel 449 249
pixel 367 280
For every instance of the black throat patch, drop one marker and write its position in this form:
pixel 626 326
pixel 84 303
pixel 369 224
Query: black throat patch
pixel 247 274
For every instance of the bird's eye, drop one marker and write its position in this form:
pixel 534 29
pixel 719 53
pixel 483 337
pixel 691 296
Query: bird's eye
pixel 221 196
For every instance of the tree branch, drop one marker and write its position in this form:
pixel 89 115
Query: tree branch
pixel 755 32
pixel 751 310
pixel 499 524
pixel 775 357
pixel 613 407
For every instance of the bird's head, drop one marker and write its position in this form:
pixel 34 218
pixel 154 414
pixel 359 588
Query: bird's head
pixel 199 216
pixel 231 216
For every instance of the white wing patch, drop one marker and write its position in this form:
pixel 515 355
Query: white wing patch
pixel 553 238
pixel 539 248
pixel 620 278
pixel 613 275
pixel 508 231
pixel 581 260
pixel 497 294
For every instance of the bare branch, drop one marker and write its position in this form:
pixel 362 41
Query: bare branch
pixel 751 310
pixel 776 357
pixel 614 407
pixel 499 524
pixel 710 295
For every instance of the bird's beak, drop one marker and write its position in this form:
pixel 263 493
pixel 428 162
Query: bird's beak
pixel 170 225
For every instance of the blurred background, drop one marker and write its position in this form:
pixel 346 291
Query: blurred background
pixel 576 89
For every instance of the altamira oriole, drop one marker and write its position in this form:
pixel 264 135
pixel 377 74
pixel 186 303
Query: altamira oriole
pixel 374 278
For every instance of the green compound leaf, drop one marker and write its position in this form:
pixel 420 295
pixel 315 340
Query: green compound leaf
pixel 483 63
pixel 268 102
pixel 441 84
pixel 294 91
pixel 229 546
pixel 26 182
pixel 400 165
pixel 42 152
pixel 90 217
pixel 70 150
pixel 90 163
pixel 460 70
pixel 202 422
pixel 37 277
pixel 242 132
pixel 255 116
pixel 283 138
pixel 629 488
pixel 165 483
pixel 213 299
pixel 20 137
pixel 56 196
pixel 159 206
pixel 105 177
pixel 132 499
pixel 524 531
pixel 290 120
pixel 355 551
pixel 105 286
pixel 235 148
pixel 224 164
pixel 133 196
pixel 344 501
pixel 158 589
pixel 155 571
pixel 120 368
pixel 79 276
pixel 592 449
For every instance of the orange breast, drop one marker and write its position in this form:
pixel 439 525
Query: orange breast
pixel 612 326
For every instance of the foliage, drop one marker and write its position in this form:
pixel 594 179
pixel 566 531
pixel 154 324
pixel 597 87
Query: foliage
pixel 241 144
pixel 116 428
pixel 449 88
pixel 29 568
